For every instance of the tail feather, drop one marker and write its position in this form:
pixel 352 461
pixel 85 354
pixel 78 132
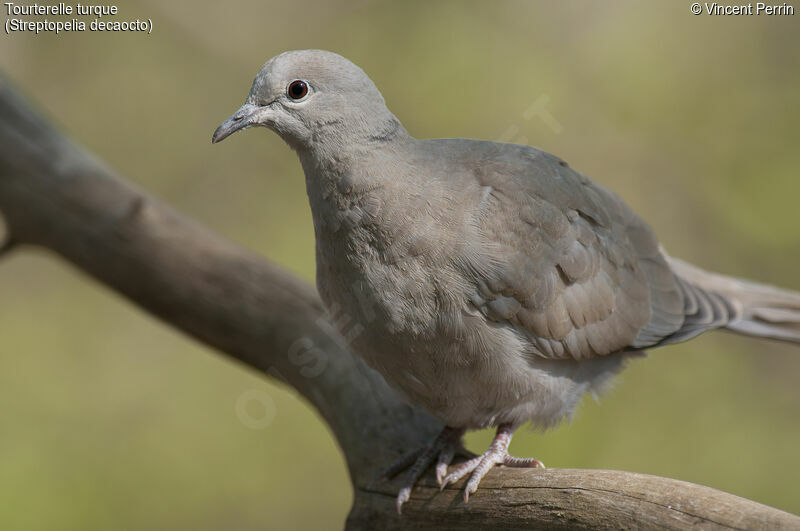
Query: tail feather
pixel 719 301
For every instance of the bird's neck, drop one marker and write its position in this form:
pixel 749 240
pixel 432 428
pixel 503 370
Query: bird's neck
pixel 338 172
pixel 333 141
pixel 346 179
pixel 346 158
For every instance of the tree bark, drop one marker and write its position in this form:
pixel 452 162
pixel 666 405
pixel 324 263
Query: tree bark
pixel 55 195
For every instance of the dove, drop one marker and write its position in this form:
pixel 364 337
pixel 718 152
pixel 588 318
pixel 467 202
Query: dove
pixel 494 285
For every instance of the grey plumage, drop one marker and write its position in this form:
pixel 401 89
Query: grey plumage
pixel 495 284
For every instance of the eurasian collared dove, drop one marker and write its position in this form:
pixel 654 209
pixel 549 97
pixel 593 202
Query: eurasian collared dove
pixel 495 285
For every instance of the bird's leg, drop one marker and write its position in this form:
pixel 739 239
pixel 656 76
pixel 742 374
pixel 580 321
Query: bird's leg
pixel 443 448
pixel 497 454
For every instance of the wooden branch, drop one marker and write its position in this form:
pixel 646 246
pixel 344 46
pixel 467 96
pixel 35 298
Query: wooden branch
pixel 55 195
pixel 565 498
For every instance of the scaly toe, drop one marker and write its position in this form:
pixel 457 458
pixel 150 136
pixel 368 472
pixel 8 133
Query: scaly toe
pixel 445 458
pixel 405 461
pixel 461 471
pixel 487 462
pixel 444 446
pixel 522 462
pixel 441 472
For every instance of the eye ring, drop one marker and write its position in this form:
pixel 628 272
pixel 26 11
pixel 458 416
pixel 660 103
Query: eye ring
pixel 297 90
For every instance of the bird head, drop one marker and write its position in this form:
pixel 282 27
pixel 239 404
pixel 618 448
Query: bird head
pixel 312 96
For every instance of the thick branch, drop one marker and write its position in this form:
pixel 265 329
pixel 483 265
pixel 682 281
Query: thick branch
pixel 570 499
pixel 55 195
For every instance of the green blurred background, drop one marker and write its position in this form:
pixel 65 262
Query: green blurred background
pixel 113 420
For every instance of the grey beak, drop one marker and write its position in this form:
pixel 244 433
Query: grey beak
pixel 239 120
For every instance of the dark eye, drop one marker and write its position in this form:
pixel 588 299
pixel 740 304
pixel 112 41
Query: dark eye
pixel 297 89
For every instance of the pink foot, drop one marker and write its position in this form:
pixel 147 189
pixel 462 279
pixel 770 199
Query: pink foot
pixel 443 449
pixel 497 454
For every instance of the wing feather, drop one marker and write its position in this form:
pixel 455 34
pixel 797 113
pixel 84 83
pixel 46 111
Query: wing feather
pixel 571 266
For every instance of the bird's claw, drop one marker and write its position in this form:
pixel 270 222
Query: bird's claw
pixel 479 466
pixel 443 449
pixel 403 496
pixel 441 472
